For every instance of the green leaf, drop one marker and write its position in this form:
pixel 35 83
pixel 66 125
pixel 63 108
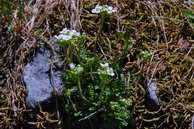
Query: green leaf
pixel 78 113
pixel 146 55
pixel 189 14
pixel 124 123
pixel 39 32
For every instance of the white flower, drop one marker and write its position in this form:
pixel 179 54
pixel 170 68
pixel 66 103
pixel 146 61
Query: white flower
pixel 105 69
pixel 64 30
pixel 64 37
pixel 97 9
pixel 74 33
pixel 66 34
pixel 104 64
pixel 71 65
pixel 76 69
pixel 110 71
pixel 108 9
pixel 98 6
pixel 79 69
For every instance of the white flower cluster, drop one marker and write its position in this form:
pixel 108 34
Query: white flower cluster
pixel 108 9
pixel 105 69
pixel 76 69
pixel 66 34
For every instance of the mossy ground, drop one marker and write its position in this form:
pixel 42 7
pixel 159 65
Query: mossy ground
pixel 160 27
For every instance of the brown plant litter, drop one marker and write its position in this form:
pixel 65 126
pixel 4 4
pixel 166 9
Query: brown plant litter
pixel 159 26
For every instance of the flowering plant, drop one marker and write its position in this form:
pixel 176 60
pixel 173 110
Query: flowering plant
pixel 104 12
pixel 66 34
pixel 104 8
pixel 92 86
pixel 70 40
pixel 76 69
pixel 105 69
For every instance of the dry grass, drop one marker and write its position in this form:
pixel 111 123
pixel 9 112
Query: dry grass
pixel 159 27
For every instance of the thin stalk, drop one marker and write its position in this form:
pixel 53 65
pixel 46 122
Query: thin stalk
pixel 80 89
pixel 102 84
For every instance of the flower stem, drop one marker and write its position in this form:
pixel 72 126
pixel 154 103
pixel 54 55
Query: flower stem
pixel 80 89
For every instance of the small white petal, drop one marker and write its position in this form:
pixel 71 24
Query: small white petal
pixel 109 12
pixel 77 34
pixel 71 65
pixel 73 31
pixel 98 6
pixel 114 10
pixel 68 37
pixel 106 64
pixel 93 10
pixel 60 37
pixel 103 64
pixel 64 29
pixel 79 68
pixel 110 8
pixel 111 69
pixel 56 36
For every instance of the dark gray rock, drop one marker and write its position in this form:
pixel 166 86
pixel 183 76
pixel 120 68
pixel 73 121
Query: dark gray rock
pixel 41 77
pixel 152 92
